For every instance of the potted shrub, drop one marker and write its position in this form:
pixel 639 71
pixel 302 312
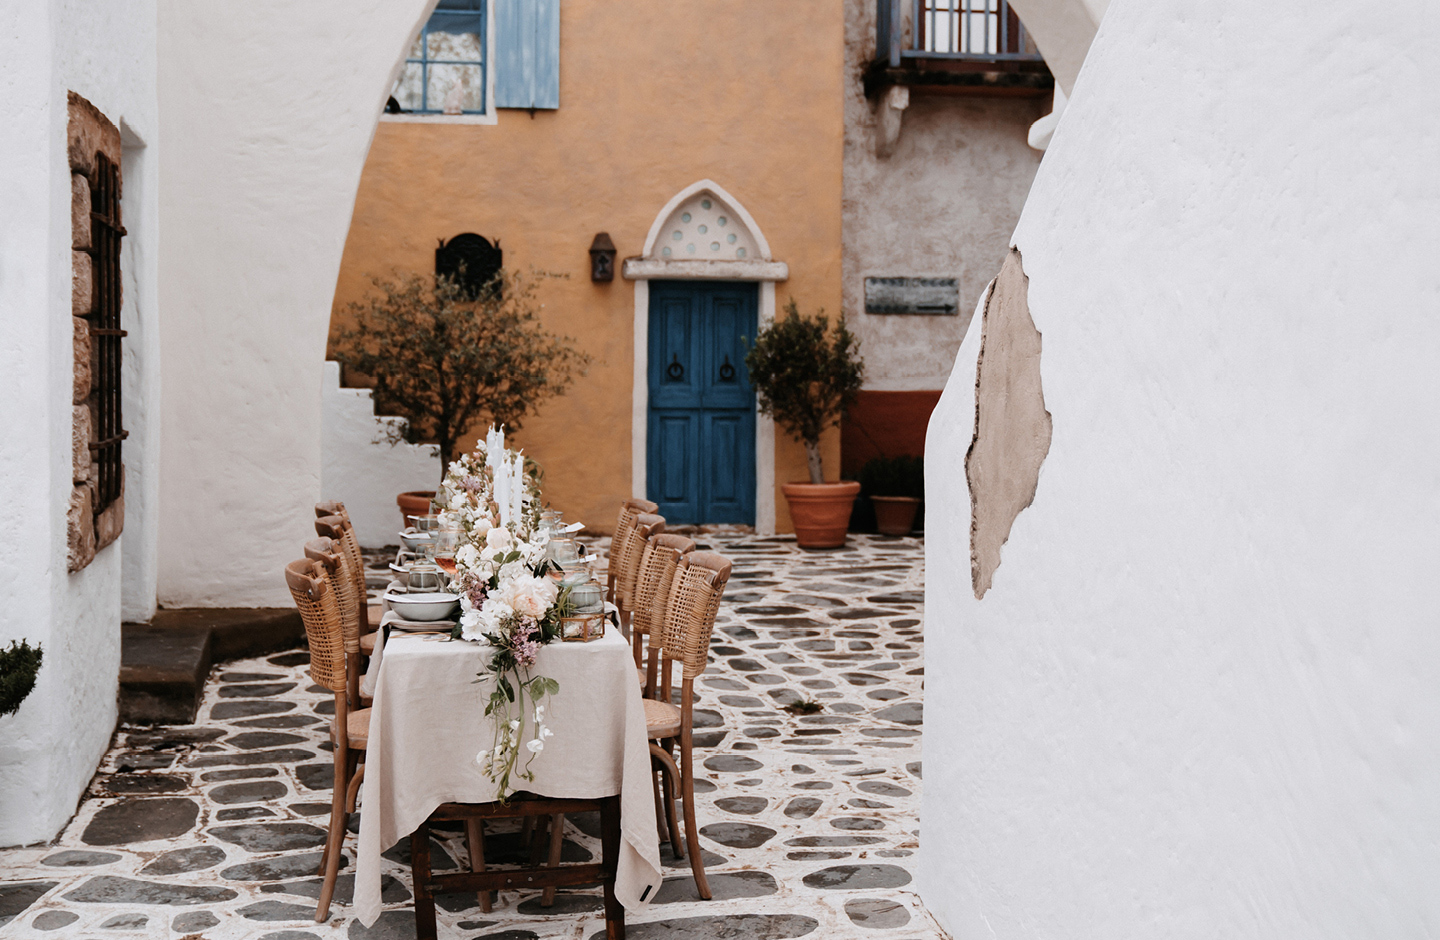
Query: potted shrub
pixel 446 357
pixel 894 486
pixel 805 375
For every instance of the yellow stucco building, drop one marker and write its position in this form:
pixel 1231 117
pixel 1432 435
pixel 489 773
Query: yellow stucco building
pixel 705 138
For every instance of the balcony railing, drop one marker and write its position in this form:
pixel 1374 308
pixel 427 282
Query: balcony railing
pixel 960 31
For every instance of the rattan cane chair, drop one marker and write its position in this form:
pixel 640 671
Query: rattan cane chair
pixel 315 597
pixel 629 511
pixel 658 562
pixel 350 542
pixel 347 595
pixel 626 564
pixel 690 609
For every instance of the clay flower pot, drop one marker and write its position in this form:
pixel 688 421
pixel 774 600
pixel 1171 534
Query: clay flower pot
pixel 414 503
pixel 821 511
pixel 895 515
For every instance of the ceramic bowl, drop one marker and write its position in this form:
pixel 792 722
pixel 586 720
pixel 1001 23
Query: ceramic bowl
pixel 411 541
pixel 424 607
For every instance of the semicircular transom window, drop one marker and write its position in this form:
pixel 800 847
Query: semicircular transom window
pixel 704 228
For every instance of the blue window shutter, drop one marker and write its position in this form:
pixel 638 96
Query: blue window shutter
pixel 547 53
pixel 512 85
pixel 527 53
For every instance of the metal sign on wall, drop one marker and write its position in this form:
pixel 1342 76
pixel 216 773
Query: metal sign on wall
pixel 929 296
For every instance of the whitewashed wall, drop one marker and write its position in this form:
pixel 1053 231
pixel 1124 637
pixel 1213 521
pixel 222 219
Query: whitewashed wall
pixel 49 749
pixel 1202 698
pixel 362 468
pixel 267 114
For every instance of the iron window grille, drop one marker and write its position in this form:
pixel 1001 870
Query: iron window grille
pixel 105 234
pixel 448 58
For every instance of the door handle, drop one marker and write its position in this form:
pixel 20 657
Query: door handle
pixel 727 371
pixel 675 371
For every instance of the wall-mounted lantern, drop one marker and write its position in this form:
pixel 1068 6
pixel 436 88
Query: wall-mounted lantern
pixel 602 258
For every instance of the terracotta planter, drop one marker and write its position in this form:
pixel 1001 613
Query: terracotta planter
pixel 821 511
pixel 414 503
pixel 895 515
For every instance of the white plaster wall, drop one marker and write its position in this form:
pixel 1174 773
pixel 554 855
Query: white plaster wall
pixel 48 751
pixel 360 465
pixel 1203 695
pixel 268 111
pixel 1063 29
pixel 942 204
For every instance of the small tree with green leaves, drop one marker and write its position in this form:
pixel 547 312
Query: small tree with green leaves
pixel 805 376
pixel 446 360
pixel 19 666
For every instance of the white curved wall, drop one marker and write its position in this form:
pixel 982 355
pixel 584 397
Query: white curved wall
pixel 105 53
pixel 1202 697
pixel 267 113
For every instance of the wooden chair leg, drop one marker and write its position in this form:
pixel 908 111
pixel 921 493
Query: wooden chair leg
pixel 657 780
pixel 330 857
pixel 692 829
pixel 557 845
pixel 669 775
pixel 352 792
pixel 610 858
pixel 420 875
pixel 475 840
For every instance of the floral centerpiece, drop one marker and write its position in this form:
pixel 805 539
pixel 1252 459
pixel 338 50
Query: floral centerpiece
pixel 507 598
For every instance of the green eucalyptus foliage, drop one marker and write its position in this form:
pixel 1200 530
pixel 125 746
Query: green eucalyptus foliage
pixel 805 375
pixel 446 361
pixel 19 665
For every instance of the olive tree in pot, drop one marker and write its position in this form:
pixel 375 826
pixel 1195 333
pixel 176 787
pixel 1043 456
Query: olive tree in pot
pixel 805 376
pixel 445 358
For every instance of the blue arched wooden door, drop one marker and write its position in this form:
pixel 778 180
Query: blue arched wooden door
pixel 700 437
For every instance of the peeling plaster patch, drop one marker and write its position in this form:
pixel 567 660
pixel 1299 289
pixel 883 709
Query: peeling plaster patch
pixel 1012 427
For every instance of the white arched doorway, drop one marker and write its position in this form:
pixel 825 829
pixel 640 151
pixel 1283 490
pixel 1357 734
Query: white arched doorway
pixel 702 234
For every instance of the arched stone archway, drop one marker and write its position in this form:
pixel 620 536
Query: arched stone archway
pixel 267 116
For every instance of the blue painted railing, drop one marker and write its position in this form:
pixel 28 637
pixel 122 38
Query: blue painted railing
pixel 959 30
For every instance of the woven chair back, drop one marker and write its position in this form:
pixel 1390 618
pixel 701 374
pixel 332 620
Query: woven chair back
pixel 320 612
pixel 694 600
pixel 630 510
pixel 627 559
pixel 348 591
pixel 330 508
pixel 658 562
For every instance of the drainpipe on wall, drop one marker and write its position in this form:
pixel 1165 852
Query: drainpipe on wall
pixel 888 119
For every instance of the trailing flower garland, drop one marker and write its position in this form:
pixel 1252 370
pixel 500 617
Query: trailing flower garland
pixel 507 599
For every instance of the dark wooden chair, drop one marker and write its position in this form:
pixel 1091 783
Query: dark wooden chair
pixel 427 883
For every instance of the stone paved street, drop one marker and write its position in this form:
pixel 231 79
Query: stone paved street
pixel 810 821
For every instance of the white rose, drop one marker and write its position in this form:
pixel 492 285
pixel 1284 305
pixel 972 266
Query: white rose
pixel 467 556
pixel 499 539
pixel 481 528
pixel 530 596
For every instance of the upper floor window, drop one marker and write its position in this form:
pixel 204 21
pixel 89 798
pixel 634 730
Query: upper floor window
pixel 444 72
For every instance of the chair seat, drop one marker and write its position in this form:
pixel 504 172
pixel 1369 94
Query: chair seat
pixel 367 643
pixel 376 611
pixel 662 720
pixel 358 724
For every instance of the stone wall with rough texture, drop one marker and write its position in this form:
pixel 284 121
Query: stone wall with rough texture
pixel 942 203
pixel 1200 697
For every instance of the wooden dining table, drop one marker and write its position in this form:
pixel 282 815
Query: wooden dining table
pixel 428 724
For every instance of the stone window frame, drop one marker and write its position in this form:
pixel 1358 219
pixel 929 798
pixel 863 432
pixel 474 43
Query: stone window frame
pixel 96 513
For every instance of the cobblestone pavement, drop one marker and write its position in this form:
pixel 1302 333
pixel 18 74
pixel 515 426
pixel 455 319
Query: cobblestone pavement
pixel 809 821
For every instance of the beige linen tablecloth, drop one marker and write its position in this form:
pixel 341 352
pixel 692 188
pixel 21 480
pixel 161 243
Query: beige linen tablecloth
pixel 429 723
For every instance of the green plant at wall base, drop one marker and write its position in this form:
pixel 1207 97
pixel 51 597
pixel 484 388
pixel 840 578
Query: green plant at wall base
pixel 893 476
pixel 805 376
pixel 446 362
pixel 19 666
